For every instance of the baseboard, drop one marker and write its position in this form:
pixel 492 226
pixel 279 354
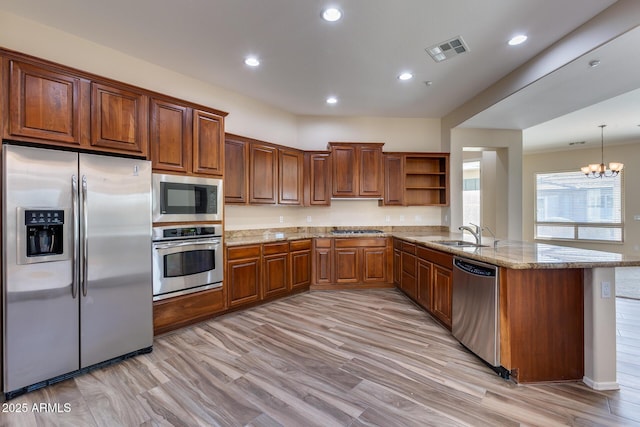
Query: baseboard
pixel 608 385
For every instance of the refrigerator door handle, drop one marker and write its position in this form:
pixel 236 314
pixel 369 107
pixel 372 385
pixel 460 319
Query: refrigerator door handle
pixel 85 237
pixel 74 256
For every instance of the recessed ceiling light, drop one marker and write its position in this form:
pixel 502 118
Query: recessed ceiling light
pixel 332 100
pixel 252 61
pixel 519 39
pixel 405 76
pixel 331 14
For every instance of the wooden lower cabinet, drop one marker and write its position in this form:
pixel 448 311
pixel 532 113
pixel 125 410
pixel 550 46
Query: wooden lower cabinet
pixel 300 262
pixel 174 313
pixel 442 291
pixel 243 275
pixel 275 267
pixel 361 262
pixel 322 261
pixel 425 276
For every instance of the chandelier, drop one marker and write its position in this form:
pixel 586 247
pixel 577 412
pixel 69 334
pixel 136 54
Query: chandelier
pixel 595 170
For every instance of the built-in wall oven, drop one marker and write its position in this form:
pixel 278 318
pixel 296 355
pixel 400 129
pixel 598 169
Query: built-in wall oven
pixel 186 259
pixel 179 198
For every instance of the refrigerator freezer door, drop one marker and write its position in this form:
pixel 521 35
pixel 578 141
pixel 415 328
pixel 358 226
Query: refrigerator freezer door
pixel 116 298
pixel 40 313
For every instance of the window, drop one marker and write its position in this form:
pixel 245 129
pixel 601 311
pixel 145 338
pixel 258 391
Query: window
pixel 570 206
pixel 471 192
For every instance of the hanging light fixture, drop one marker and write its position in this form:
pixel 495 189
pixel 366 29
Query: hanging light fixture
pixel 596 170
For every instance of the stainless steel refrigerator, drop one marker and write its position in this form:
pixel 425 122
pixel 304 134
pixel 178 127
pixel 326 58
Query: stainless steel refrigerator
pixel 77 282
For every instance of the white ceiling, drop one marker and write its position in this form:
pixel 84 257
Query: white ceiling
pixel 569 104
pixel 357 59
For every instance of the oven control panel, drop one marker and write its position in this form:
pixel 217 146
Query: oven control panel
pixel 186 232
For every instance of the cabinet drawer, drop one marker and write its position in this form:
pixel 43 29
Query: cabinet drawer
pixel 275 248
pixel 300 245
pixel 361 242
pixel 435 257
pixel 240 252
pixel 323 243
pixel 408 247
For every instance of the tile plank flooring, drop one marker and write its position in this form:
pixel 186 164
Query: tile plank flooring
pixel 340 358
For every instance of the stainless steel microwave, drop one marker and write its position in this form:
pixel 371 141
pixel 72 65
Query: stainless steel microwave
pixel 179 198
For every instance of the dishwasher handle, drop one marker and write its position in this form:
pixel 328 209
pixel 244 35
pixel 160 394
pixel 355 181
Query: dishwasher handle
pixel 475 268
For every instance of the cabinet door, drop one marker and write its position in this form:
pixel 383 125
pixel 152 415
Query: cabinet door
pixel 425 271
pixel 323 265
pixel 345 171
pixel 275 268
pixel 371 171
pixel 236 183
pixel 374 268
pixel 290 164
pixel 348 265
pixel 300 269
pixel 207 143
pixel 263 173
pixel 318 182
pixel 408 280
pixel 170 136
pixel 300 257
pixel 442 294
pixel 44 104
pixel 393 185
pixel 243 281
pixel 119 119
pixel 397 267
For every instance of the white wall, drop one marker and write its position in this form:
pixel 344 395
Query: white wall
pixel 506 198
pixel 572 160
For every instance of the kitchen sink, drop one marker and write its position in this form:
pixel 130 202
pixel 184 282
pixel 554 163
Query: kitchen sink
pixel 459 244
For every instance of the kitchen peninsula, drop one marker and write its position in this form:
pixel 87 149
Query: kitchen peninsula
pixel 547 333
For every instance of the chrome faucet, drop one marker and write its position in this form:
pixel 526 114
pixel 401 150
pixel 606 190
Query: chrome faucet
pixel 477 232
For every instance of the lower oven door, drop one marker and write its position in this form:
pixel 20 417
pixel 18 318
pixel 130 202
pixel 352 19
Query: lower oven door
pixel 181 267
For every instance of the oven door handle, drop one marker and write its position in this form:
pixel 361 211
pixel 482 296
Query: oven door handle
pixel 181 244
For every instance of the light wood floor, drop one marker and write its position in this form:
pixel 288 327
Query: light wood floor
pixel 337 358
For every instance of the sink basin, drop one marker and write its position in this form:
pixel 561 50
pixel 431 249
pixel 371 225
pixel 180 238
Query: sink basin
pixel 458 243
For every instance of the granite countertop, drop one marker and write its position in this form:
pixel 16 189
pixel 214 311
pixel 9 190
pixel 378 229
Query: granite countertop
pixel 525 255
pixel 507 253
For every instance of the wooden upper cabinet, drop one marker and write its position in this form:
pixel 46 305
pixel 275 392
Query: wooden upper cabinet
pixel 208 136
pixel 236 176
pixel 290 179
pixel 317 178
pixel 170 136
pixel 345 171
pixel 393 180
pixel 119 119
pixel 45 104
pixel 371 171
pixel 357 169
pixel 263 173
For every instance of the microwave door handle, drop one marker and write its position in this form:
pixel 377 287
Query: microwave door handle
pixel 177 245
pixel 85 237
pixel 74 256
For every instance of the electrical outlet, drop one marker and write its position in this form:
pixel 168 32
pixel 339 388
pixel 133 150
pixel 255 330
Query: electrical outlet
pixel 281 219
pixel 401 218
pixel 308 218
pixel 605 289
pixel 418 218
pixel 387 218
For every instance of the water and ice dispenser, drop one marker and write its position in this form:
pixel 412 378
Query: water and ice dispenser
pixel 41 236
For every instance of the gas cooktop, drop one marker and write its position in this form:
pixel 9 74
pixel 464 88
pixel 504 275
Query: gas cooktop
pixel 357 231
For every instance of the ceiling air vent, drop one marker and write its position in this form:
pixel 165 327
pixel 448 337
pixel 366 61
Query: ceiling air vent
pixel 448 49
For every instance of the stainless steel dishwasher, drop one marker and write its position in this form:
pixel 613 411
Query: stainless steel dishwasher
pixel 475 315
